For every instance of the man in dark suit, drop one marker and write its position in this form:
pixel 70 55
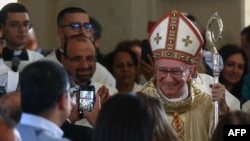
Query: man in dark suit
pixel 77 132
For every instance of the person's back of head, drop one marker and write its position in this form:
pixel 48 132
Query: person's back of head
pixel 230 118
pixel 236 118
pixel 10 105
pixel 124 117
pixel 68 10
pixel 8 131
pixel 11 8
pixel 162 129
pixel 42 84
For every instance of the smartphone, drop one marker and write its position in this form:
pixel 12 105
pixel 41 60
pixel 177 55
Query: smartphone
pixel 86 100
pixel 146 50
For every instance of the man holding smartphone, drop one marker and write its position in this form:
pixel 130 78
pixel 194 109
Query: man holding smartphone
pixel 79 59
pixel 86 100
pixel 72 21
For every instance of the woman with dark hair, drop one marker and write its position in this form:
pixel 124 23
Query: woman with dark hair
pixel 124 117
pixel 234 70
pixel 163 131
pixel 141 48
pixel 133 117
pixel 123 63
pixel 231 118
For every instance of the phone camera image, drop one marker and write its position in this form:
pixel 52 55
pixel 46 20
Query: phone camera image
pixel 86 100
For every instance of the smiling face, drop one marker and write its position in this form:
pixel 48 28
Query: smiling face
pixel 233 69
pixel 80 60
pixel 172 77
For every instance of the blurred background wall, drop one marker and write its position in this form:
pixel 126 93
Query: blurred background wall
pixel 128 19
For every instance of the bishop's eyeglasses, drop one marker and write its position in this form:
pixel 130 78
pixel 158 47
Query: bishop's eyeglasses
pixel 175 72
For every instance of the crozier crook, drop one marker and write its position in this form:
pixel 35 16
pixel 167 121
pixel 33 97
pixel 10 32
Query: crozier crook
pixel 211 40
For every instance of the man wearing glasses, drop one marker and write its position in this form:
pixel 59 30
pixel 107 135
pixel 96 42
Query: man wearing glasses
pixel 72 21
pixel 176 42
pixel 15 23
pixel 79 59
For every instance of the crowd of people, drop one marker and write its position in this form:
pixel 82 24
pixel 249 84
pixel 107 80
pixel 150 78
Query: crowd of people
pixel 156 89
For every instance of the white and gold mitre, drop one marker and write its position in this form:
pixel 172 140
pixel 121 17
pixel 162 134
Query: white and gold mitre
pixel 174 36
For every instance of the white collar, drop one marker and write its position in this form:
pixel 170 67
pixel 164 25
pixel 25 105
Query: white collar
pixel 182 97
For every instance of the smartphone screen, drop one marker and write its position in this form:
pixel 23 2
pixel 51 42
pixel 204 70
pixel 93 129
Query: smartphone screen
pixel 86 99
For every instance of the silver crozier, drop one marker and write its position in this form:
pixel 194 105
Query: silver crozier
pixel 211 40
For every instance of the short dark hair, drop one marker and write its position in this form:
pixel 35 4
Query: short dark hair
pixel 97 28
pixel 11 8
pixel 68 10
pixel 42 84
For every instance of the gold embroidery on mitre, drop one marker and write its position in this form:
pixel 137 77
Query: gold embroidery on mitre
pixel 187 41
pixel 157 38
pixel 170 43
pixel 172 30
pixel 172 54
